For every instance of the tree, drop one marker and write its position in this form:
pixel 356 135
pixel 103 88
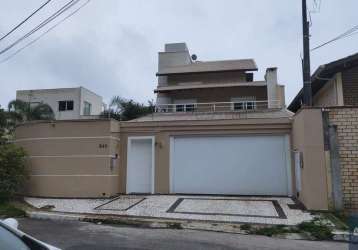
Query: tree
pixel 12 161
pixel 12 170
pixel 125 110
pixel 21 111
pixel 3 125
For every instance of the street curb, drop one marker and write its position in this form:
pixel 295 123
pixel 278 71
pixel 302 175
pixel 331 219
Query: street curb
pixel 138 222
pixel 339 236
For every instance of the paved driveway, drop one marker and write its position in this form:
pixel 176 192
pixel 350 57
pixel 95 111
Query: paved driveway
pixel 262 210
pixel 87 236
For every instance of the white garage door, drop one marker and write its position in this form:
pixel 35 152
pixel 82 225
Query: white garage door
pixel 242 165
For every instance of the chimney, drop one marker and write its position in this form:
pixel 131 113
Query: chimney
pixel 272 87
pixel 175 54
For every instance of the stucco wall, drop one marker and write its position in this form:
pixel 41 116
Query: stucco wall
pixel 52 97
pixel 94 99
pixel 66 159
pixel 216 77
pixel 307 135
pixel 164 130
pixel 70 158
pixel 346 120
pixel 331 94
pixel 220 95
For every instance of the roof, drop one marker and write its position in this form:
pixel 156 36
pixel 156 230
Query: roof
pixel 212 66
pixel 205 86
pixel 266 114
pixel 322 75
pixel 25 91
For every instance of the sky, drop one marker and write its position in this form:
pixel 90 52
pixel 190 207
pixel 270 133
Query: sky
pixel 111 46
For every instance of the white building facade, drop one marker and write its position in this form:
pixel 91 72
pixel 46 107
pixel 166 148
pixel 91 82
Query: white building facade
pixel 66 103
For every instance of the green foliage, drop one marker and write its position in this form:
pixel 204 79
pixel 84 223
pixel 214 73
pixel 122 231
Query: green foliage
pixel 20 111
pixel 246 227
pixel 3 125
pixel 9 210
pixel 317 229
pixel 174 225
pixel 125 110
pixel 274 230
pixel 12 170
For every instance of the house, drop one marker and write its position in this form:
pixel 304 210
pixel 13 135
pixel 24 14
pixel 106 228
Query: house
pixel 215 130
pixel 66 103
pixel 212 120
pixel 325 136
pixel 333 85
pixel 185 85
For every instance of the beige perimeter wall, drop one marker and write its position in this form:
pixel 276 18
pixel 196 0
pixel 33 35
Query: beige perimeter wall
pixel 71 158
pixel 162 131
pixel 307 134
pixel 75 158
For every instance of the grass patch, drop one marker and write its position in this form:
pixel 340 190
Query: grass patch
pixel 340 220
pixel 7 209
pixel 245 227
pixel 174 225
pixel 274 230
pixel 316 229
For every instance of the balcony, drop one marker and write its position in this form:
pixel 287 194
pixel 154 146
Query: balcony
pixel 238 106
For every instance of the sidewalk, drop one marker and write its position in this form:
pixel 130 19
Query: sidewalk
pixel 214 209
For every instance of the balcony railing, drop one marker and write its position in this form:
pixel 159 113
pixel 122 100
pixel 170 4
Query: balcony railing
pixel 238 106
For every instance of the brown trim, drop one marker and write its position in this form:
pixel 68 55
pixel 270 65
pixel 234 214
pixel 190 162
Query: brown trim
pixel 278 208
pixel 70 198
pixel 126 209
pixel 206 71
pixel 170 88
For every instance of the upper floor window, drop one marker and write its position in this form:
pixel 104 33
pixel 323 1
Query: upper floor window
pixel 65 105
pixel 87 108
pixel 185 105
pixel 243 103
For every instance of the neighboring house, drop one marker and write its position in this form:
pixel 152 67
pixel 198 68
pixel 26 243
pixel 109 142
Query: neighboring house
pixel 333 84
pixel 66 103
pixel 326 135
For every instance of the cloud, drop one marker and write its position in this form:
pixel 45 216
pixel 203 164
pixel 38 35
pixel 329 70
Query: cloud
pixel 111 46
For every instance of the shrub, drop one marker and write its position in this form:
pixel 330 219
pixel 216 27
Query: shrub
pixel 270 231
pixel 8 210
pixel 246 227
pixel 12 170
pixel 316 229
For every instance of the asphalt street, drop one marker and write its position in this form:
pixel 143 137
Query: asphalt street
pixel 81 235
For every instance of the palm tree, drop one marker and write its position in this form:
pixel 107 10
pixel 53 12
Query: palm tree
pixel 21 111
pixel 125 110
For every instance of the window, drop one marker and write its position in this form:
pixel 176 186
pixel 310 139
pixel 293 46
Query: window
pixel 11 241
pixel 190 108
pixel 250 105
pixel 180 108
pixel 65 105
pixel 87 108
pixel 185 105
pixel 238 105
pixel 243 103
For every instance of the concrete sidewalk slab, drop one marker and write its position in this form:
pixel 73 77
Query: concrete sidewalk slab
pixel 221 209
